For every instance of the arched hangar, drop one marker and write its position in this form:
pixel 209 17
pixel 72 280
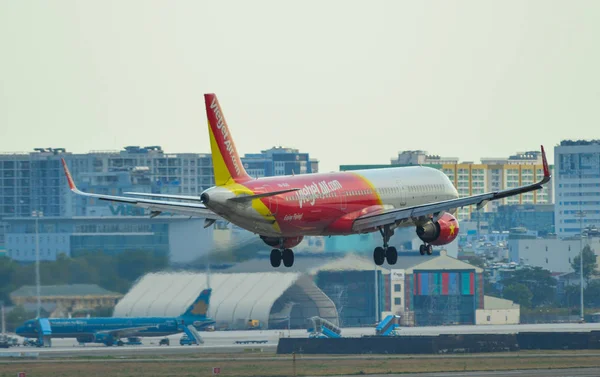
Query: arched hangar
pixel 275 299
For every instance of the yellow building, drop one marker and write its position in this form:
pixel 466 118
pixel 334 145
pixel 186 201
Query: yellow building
pixel 471 179
pixel 67 298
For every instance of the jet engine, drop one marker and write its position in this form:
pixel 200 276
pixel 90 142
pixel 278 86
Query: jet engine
pixel 440 232
pixel 288 242
pixel 86 339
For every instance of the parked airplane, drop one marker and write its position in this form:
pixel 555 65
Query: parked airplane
pixel 110 330
pixel 284 209
pixel 284 314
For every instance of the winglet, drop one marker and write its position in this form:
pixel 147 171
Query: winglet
pixel 69 177
pixel 545 163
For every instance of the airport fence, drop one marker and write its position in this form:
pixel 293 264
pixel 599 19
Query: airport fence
pixel 447 343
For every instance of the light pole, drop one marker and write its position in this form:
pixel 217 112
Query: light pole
pixel 37 215
pixel 376 296
pixel 3 323
pixel 581 215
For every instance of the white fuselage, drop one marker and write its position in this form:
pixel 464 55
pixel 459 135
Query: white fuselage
pixel 325 197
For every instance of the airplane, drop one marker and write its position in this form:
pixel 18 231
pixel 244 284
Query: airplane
pixel 110 330
pixel 282 210
pixel 284 314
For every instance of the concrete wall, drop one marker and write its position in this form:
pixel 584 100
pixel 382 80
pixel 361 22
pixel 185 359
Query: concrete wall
pixel 497 316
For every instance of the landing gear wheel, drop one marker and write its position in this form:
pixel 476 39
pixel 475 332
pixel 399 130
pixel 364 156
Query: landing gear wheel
pixel 288 257
pixel 276 257
pixel 422 249
pixel 429 249
pixel 391 254
pixel 379 256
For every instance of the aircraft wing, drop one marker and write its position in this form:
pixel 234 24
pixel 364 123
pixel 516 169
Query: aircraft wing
pixel 396 215
pixel 157 206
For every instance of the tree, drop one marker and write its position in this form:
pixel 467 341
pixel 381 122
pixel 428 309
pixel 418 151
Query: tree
pixel 518 293
pixel 16 317
pixel 477 261
pixel 589 263
pixel 540 283
pixel 592 293
pixel 8 269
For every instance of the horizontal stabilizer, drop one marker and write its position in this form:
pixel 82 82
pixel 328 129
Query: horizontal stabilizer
pixel 246 198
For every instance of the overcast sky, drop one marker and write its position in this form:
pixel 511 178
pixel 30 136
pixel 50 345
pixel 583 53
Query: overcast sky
pixel 347 81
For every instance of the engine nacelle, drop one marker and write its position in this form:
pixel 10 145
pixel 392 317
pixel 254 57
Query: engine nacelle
pixel 105 338
pixel 440 232
pixel 86 339
pixel 288 242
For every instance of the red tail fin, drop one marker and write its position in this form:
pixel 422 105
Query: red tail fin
pixel 227 165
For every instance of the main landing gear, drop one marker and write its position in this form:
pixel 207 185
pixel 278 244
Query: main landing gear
pixel 279 255
pixel 380 254
pixel 426 249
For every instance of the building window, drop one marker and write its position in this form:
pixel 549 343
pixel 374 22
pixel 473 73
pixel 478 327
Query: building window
pixel 397 287
pixel 397 301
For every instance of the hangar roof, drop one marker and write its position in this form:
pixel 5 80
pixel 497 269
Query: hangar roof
pixel 235 297
pixel 443 262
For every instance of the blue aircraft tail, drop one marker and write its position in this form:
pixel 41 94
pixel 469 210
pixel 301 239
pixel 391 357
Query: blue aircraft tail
pixel 199 307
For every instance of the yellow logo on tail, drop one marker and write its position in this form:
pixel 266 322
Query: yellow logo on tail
pixel 199 308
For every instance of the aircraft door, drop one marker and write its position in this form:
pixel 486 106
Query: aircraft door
pixel 402 193
pixel 272 201
pixel 342 198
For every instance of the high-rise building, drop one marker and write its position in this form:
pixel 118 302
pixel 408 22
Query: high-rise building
pixel 32 181
pixel 577 185
pixel 279 161
pixel 419 157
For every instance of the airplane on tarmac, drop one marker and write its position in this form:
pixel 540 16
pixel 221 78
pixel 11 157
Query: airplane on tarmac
pixel 110 330
pixel 284 209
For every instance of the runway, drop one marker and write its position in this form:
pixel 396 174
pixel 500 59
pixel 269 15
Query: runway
pixel 579 372
pixel 225 341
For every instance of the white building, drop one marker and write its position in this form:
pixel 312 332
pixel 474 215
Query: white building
pixel 553 254
pixel 577 186
pixel 498 311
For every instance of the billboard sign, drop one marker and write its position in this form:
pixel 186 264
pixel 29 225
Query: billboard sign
pixel 397 275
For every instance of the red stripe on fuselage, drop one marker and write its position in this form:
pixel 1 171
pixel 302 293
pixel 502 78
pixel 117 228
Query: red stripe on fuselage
pixel 322 199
